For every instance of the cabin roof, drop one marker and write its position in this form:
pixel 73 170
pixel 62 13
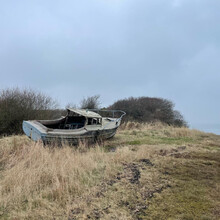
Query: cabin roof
pixel 85 113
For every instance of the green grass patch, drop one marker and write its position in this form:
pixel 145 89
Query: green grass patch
pixel 172 140
pixel 3 213
pixel 187 203
pixel 134 142
pixel 153 140
pixel 194 190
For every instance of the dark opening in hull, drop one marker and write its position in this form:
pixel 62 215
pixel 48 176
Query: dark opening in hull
pixel 69 122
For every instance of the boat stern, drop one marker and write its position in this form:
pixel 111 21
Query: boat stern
pixel 30 130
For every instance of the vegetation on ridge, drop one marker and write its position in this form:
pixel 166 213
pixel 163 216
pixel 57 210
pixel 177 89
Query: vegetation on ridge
pixel 148 109
pixel 148 171
pixel 17 105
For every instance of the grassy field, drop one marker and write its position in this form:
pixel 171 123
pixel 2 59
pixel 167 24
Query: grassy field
pixel 144 172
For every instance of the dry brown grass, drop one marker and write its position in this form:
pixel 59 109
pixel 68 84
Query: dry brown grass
pixel 114 180
pixel 162 129
pixel 35 176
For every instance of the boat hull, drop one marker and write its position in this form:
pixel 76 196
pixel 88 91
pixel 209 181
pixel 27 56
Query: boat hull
pixel 31 131
pixel 37 132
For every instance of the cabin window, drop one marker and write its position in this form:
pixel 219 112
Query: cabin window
pixel 89 121
pixel 94 121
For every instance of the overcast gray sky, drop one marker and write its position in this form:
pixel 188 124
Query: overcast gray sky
pixel 116 48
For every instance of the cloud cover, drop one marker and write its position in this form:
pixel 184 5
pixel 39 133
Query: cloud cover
pixel 116 48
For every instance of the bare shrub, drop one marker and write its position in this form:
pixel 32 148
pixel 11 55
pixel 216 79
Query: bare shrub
pixel 17 105
pixel 91 102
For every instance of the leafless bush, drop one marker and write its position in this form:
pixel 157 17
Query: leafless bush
pixel 17 105
pixel 91 102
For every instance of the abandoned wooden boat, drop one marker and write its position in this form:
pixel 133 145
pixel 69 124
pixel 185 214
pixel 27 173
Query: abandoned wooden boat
pixel 78 124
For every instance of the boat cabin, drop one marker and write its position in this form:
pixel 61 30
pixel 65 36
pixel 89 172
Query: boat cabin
pixel 75 119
